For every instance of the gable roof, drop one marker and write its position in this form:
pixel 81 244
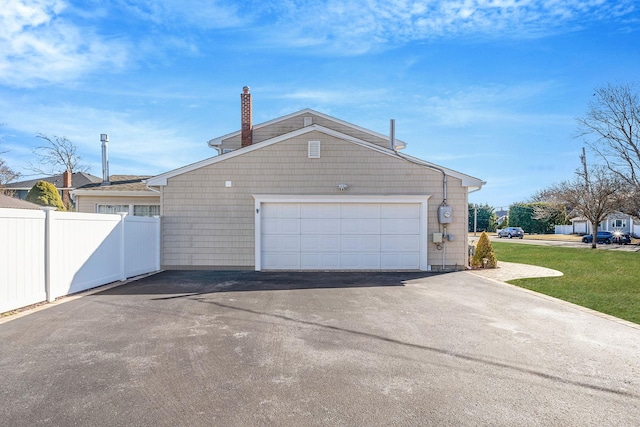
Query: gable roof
pixel 218 141
pixel 15 203
pixel 78 179
pixel 121 185
pixel 160 180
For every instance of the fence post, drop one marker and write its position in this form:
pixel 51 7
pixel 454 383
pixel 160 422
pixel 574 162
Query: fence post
pixel 158 242
pixel 123 274
pixel 47 251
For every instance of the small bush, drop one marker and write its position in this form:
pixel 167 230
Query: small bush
pixel 484 250
pixel 45 194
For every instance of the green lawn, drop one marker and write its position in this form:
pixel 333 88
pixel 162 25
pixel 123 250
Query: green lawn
pixel 603 280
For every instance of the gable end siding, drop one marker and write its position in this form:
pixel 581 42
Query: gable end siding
pixel 294 123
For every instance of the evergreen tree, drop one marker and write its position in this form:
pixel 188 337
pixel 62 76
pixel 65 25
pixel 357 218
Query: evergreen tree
pixel 484 250
pixel 45 194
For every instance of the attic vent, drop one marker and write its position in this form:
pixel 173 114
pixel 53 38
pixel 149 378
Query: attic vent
pixel 308 121
pixel 314 149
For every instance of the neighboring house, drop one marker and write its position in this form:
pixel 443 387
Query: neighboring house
pixel 64 182
pixel 615 222
pixel 502 215
pixel 14 203
pixel 311 192
pixel 121 193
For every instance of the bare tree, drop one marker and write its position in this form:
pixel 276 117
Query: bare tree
pixel 593 194
pixel 6 173
pixel 611 128
pixel 56 156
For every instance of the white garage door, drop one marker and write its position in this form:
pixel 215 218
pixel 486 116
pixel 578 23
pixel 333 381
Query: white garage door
pixel 340 236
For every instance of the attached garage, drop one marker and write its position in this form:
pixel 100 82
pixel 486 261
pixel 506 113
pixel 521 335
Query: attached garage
pixel 310 192
pixel 341 233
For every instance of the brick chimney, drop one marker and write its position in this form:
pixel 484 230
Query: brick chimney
pixel 246 117
pixel 66 187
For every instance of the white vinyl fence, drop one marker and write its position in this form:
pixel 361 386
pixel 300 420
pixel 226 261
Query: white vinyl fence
pixel 47 254
pixel 564 229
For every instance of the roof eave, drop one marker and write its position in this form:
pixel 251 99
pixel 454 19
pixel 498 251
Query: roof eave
pixel 115 193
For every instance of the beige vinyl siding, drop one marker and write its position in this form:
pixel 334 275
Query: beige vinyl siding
pixel 87 204
pixel 285 126
pixel 208 225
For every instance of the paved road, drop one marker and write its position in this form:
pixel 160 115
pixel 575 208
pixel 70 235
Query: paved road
pixel 247 348
pixel 561 243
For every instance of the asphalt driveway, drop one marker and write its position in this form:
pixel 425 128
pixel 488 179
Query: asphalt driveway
pixel 247 348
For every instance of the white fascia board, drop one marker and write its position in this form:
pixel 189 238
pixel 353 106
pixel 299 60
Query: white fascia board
pixel 217 141
pixel 106 193
pixel 340 198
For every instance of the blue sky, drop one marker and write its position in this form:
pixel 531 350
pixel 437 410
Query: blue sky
pixel 490 88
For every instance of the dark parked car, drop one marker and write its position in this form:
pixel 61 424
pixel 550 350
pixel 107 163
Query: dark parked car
pixel 621 238
pixel 603 237
pixel 511 232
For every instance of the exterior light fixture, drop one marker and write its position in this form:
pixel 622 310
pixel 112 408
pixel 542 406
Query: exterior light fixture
pixel 342 187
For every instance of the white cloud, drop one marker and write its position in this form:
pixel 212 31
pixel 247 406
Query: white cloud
pixel 38 45
pixel 199 13
pixel 356 27
pixel 482 105
pixel 335 97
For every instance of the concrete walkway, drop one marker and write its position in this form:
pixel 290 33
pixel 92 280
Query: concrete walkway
pixel 509 271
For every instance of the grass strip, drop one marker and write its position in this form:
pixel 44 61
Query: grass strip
pixel 602 280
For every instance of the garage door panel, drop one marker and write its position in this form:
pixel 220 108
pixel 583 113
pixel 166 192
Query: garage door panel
pixel 281 226
pixel 360 261
pixel 399 226
pixel 360 226
pixel 281 243
pixel 320 226
pixel 319 261
pixel 400 210
pixel 400 243
pixel 400 261
pixel 320 210
pixel 281 210
pixel 320 243
pixel 281 261
pixel 360 210
pixel 360 244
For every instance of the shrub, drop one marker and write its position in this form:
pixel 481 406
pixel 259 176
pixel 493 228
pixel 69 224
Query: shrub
pixel 484 250
pixel 45 194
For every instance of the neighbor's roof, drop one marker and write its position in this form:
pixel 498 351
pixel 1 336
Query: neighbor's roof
pixel 78 179
pixel 15 203
pixel 119 184
pixel 467 180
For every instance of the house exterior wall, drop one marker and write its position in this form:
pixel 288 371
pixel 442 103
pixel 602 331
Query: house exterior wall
pixel 87 204
pixel 208 225
pixel 261 134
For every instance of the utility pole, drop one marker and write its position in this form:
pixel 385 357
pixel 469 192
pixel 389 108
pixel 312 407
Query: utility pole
pixel 475 219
